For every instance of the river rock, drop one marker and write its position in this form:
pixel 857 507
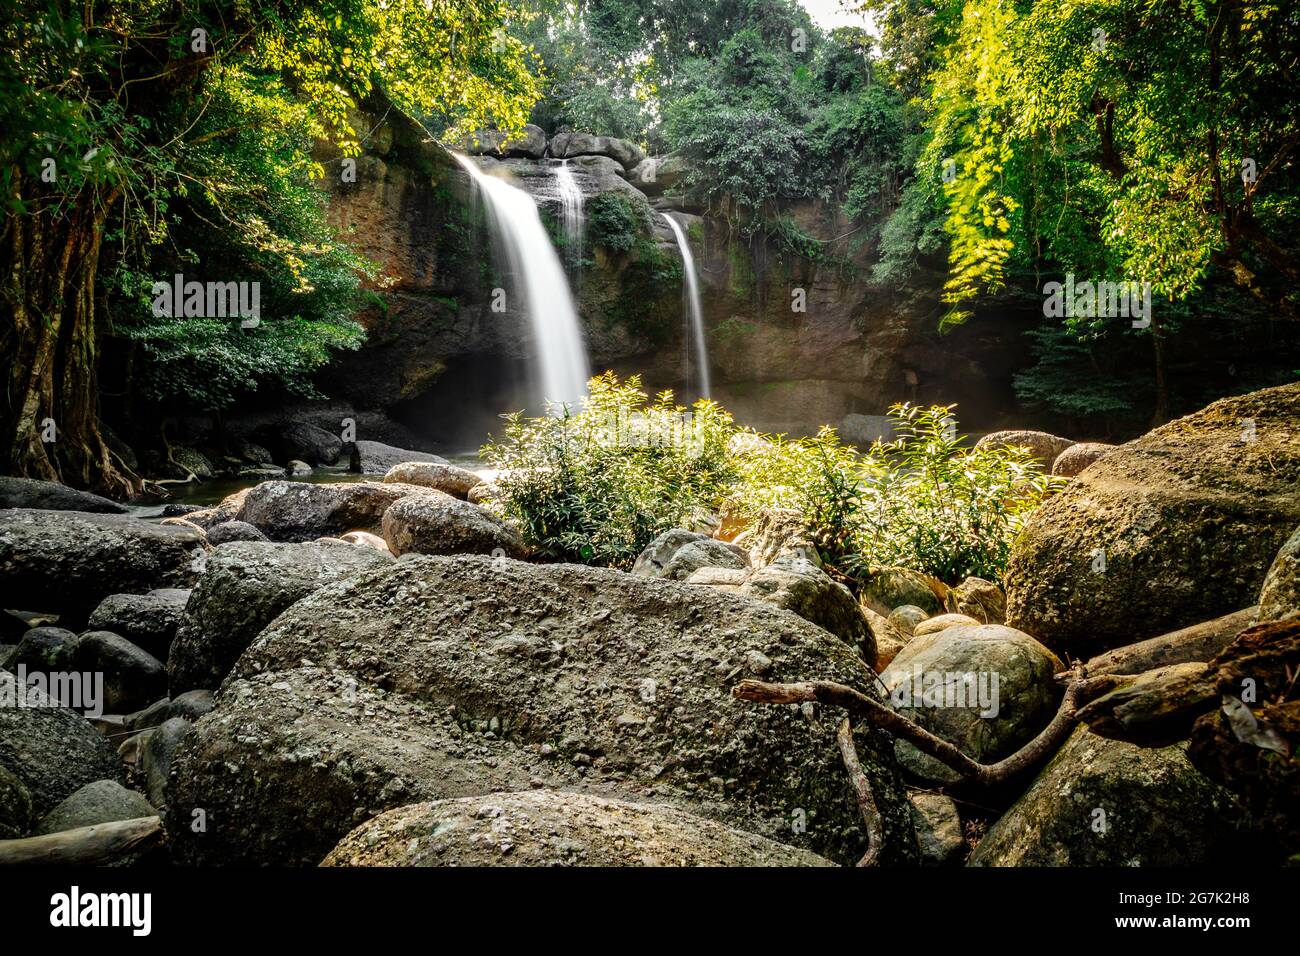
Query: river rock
pixel 445 677
pixel 225 510
pixel 147 620
pixel 531 143
pixel 906 617
pixel 228 531
pixel 69 561
pixel 104 801
pixel 51 750
pixel 376 458
pixel 889 640
pixel 1104 802
pixel 1043 446
pixel 888 588
pixel 246 586
pixel 1280 595
pixel 568 145
pixel 780 533
pixel 303 441
pixel 705 552
pixel 296 511
pixel 190 705
pixel 52 496
pixel 807 590
pixel 156 758
pixel 43 649
pixel 446 478
pixel 15 806
pixel 132 676
pixel 436 523
pixel 938 829
pixel 965 660
pixel 654 560
pixel 1078 457
pixel 728 579
pixel 1182 523
pixel 933 625
pixel 550 828
pixel 977 598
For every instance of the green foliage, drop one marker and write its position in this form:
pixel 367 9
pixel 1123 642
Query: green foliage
pixel 598 484
pixel 618 221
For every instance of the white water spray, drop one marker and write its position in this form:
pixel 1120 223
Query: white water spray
pixel 539 280
pixel 691 308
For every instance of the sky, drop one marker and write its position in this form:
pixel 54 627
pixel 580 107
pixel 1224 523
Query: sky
pixel 828 13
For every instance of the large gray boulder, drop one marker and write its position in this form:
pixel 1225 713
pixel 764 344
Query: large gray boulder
pixel 987 689
pixel 298 511
pixel 1043 446
pixel 531 143
pixel 1280 595
pixel 654 559
pixel 376 458
pixel 437 523
pixel 103 801
pixel 246 586
pixel 52 496
pixel 300 440
pixel 889 588
pixel 1181 524
pixel 568 145
pixel 132 676
pixel 802 587
pixel 449 479
pixel 147 620
pixel 51 750
pixel 1103 802
pixel 15 806
pixel 69 561
pixel 550 828
pixel 1078 457
pixel 439 678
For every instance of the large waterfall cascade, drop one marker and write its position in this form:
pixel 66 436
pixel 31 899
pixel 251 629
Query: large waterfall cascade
pixel 538 279
pixel 692 312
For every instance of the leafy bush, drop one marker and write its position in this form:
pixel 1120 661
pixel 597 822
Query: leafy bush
pixel 616 221
pixel 597 485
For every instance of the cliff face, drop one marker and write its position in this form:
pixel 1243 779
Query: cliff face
pixel 793 343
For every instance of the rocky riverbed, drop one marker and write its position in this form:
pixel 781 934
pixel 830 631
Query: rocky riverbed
pixel 378 671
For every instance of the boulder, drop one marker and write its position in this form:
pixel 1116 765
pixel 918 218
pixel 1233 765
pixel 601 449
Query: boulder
pixel 190 705
pixel 888 588
pixel 446 478
pixel 300 440
pixel 246 586
pixel 1280 595
pixel 727 579
pixel 148 621
pixel 436 523
pixel 132 676
pixel 550 828
pixel 104 801
pixel 228 531
pixel 225 510
pixel 1182 523
pixel 889 640
pixel 938 829
pixel 481 493
pixel 52 496
pixel 190 462
pixel 567 145
pixel 445 677
pixel 376 458
pixel 704 553
pixel 297 469
pixel 531 143
pixel 366 540
pixel 1078 457
pixel 156 758
pixel 977 598
pixel 933 625
pixel 778 533
pixel 906 617
pixel 987 689
pixel 69 561
pixel 654 560
pixel 51 750
pixel 1104 802
pixel 15 806
pixel 296 511
pixel 43 649
pixel 656 173
pixel 802 587
pixel 1043 446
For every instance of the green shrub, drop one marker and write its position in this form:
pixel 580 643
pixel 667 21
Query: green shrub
pixel 618 221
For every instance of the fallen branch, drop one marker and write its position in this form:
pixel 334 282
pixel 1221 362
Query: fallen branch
pixel 862 790
pixel 88 846
pixel 1077 693
pixel 1200 642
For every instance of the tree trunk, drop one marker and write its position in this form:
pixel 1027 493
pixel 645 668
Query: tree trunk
pixel 50 420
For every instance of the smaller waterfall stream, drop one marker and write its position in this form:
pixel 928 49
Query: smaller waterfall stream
pixel 571 213
pixel 692 312
pixel 538 277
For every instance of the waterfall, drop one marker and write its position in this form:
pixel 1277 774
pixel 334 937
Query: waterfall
pixel 571 211
pixel 692 313
pixel 539 281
